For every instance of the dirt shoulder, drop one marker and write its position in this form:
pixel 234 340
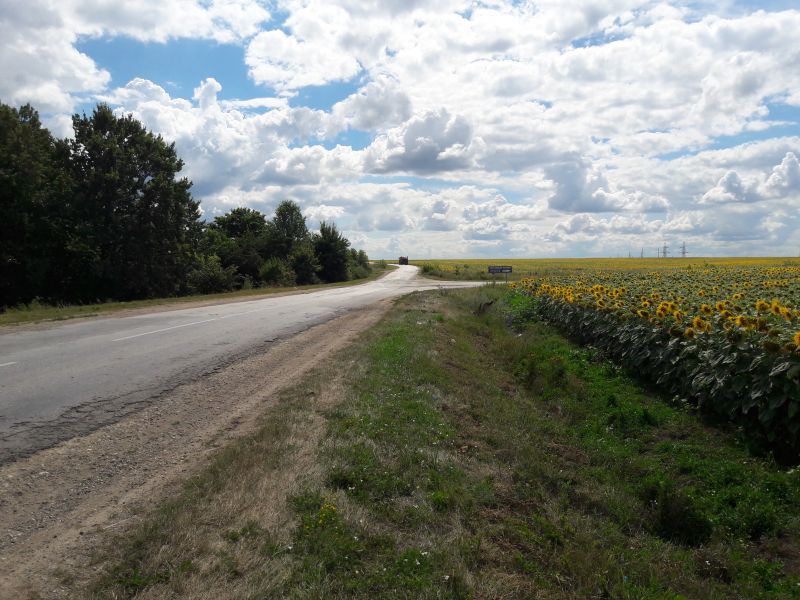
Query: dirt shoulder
pixel 56 504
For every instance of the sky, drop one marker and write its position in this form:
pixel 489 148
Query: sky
pixel 451 128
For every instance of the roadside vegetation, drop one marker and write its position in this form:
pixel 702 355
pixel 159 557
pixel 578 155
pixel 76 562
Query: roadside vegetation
pixel 105 217
pixel 37 311
pixel 464 448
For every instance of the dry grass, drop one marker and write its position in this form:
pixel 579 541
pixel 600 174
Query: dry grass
pixel 229 532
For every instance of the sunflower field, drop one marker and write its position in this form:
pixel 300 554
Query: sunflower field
pixel 722 338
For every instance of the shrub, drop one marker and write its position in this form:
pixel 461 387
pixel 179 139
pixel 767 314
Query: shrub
pixel 276 271
pixel 210 276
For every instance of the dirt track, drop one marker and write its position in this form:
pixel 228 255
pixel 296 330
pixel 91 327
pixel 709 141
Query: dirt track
pixel 56 504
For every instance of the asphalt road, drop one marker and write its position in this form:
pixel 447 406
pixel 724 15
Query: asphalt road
pixel 74 377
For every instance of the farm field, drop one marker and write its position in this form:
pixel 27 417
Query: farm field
pixel 529 267
pixel 723 337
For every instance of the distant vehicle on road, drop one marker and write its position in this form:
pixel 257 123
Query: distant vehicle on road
pixel 403 260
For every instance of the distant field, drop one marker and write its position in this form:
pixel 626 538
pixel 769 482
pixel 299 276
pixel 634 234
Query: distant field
pixel 526 267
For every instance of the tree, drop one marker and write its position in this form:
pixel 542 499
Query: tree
pixel 304 263
pixel 331 249
pixel 33 195
pixel 241 222
pixel 286 229
pixel 141 220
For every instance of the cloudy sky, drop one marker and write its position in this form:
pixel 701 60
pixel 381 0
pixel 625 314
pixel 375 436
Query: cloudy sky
pixel 450 128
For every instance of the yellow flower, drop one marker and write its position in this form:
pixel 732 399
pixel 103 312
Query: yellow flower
pixel 796 339
pixel 689 333
pixel 706 309
pixel 762 305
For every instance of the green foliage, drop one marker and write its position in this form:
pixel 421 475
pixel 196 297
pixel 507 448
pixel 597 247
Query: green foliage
pixel 723 374
pixel 240 222
pixel 304 263
pixel 138 218
pixel 331 248
pixel 277 271
pixel 105 216
pixel 36 248
pixel 210 276
pixel 285 231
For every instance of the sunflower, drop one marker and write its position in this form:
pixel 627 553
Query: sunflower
pixel 706 309
pixel 689 333
pixel 796 339
pixel 762 305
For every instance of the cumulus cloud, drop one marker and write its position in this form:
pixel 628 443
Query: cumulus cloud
pixel 495 126
pixel 286 63
pixel 581 187
pixel 782 182
pixel 323 212
pixel 377 105
pixel 41 65
pixel 434 141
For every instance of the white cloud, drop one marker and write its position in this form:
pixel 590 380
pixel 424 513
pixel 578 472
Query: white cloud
pixel 495 126
pixel 40 64
pixel 428 143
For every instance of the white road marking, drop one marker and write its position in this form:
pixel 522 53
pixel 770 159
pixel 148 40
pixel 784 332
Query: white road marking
pixel 8 364
pixel 130 337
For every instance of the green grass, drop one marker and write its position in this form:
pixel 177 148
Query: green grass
pixel 462 458
pixel 37 311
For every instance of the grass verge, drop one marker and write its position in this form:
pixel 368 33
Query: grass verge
pixel 449 456
pixel 37 311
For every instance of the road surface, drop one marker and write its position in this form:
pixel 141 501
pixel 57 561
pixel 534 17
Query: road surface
pixel 72 378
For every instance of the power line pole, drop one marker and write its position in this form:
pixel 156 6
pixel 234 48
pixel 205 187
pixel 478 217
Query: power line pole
pixel 642 254
pixel 683 250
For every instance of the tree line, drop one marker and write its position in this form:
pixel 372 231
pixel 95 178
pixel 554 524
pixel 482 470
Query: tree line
pixel 105 216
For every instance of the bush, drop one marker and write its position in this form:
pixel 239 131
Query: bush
pixel 210 276
pixel 276 271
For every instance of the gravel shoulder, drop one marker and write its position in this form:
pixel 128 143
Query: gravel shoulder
pixel 56 504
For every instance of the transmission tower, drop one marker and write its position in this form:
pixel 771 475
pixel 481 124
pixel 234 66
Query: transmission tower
pixel 665 250
pixel 683 250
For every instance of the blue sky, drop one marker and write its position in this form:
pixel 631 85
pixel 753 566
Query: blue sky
pixel 453 127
